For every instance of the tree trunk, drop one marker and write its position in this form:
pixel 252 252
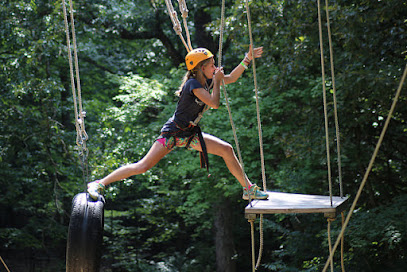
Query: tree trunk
pixel 225 248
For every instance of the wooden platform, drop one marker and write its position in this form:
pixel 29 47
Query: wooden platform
pixel 296 203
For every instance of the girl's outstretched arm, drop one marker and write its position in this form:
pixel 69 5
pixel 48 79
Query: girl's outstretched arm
pixel 239 69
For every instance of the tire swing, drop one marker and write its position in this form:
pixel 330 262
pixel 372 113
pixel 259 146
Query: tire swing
pixel 85 233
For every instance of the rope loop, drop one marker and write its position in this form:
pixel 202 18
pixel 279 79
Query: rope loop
pixel 176 24
pixel 183 8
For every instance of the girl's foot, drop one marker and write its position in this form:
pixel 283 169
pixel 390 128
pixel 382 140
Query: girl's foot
pixel 254 192
pixel 95 189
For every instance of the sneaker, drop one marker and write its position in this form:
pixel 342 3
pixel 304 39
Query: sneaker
pixel 95 189
pixel 255 193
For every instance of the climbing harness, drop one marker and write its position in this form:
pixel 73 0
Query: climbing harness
pixel 189 132
pixel 80 114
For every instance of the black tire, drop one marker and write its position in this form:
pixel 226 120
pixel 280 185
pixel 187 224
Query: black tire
pixel 85 234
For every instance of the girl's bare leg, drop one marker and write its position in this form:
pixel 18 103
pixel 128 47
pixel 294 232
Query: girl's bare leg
pixel 223 149
pixel 156 153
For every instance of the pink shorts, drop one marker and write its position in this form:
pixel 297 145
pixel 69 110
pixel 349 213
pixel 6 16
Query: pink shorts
pixel 172 142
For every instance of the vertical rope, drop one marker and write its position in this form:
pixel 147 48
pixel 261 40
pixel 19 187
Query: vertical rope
pixel 338 138
pixel 221 28
pixel 234 130
pixel 329 240
pixel 78 80
pixel 68 43
pixel 263 171
pixel 261 242
pixel 81 135
pixel 369 168
pixel 239 154
pixel 342 244
pixel 328 158
pixel 253 251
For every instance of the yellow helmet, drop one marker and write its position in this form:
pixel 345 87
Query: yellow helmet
pixel 196 56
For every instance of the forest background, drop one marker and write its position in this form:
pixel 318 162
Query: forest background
pixel 174 218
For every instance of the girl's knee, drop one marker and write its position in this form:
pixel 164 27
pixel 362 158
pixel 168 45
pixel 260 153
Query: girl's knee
pixel 227 149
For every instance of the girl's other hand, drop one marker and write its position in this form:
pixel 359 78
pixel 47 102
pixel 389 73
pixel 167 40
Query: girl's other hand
pixel 219 74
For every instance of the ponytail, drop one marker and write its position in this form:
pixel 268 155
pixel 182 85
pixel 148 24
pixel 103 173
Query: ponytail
pixel 188 75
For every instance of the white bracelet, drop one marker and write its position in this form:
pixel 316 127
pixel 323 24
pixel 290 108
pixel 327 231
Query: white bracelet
pixel 247 58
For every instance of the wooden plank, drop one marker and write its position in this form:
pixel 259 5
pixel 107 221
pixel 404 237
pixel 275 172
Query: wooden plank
pixel 297 203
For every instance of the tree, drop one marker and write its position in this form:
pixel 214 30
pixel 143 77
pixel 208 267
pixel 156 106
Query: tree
pixel 173 216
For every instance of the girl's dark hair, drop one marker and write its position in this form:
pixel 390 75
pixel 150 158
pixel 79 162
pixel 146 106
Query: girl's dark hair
pixel 192 74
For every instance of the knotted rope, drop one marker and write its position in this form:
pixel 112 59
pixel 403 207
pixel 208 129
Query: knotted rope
pixel 176 23
pixel 81 135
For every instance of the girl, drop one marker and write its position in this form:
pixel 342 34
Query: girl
pixel 182 129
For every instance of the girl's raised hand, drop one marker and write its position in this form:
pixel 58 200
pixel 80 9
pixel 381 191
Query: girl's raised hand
pixel 258 51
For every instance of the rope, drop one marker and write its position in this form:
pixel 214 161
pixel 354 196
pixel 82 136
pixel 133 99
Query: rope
pixel 338 144
pixel 239 154
pixel 263 171
pixel 329 239
pixel 81 135
pixel 369 168
pixel 184 11
pixel 176 23
pixel 251 221
pixel 261 242
pixel 342 244
pixel 221 28
pixel 336 128
pixel 4 264
pixel 328 158
pixel 330 242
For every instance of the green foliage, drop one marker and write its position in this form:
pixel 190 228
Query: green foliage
pixel 163 220
pixel 382 238
pixel 35 157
